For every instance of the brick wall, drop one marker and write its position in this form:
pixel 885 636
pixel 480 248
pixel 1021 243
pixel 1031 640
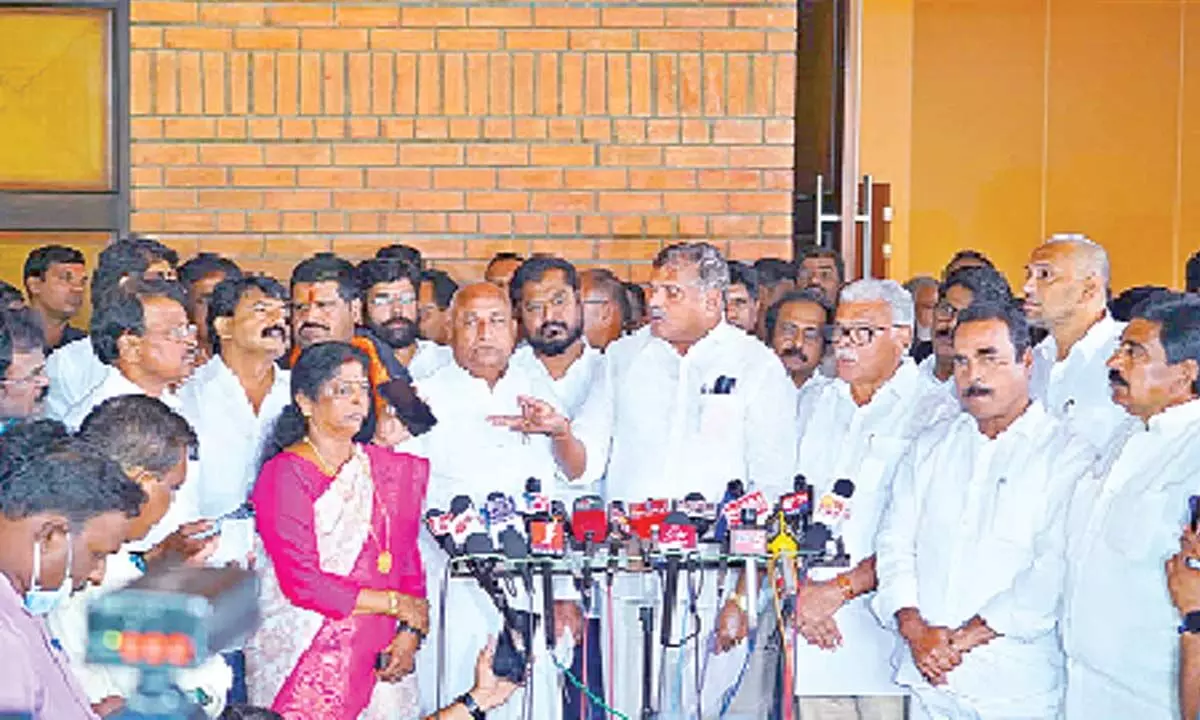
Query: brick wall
pixel 267 131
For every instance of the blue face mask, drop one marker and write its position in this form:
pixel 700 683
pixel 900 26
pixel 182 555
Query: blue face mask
pixel 42 602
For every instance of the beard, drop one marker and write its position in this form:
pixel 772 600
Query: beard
pixel 398 333
pixel 557 345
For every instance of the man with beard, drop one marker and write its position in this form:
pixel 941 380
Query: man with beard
pixel 389 289
pixel 55 277
pixel 605 307
pixel 977 283
pixel 1120 630
pixel 972 546
pixel 498 424
pixel 795 329
pixel 23 380
pixel 1066 292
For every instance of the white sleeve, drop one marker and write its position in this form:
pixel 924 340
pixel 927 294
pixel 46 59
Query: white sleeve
pixel 895 543
pixel 592 426
pixel 770 430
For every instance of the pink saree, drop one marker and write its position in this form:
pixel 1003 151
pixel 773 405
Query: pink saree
pixel 321 541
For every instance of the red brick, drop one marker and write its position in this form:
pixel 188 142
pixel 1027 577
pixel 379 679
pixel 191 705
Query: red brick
pixel 498 128
pixel 697 202
pixel 288 83
pixel 264 86
pixel 734 225
pixel 778 179
pixel 563 129
pixel 622 249
pixel 733 40
pixel 777 225
pixel 666 80
pixel 189 222
pixel 566 17
pixel 595 88
pixel 662 179
pixel 331 128
pixel 190 93
pixel 389 39
pixel 429 84
pixel 195 38
pixel 264 177
pixel 497 154
pixel 498 201
pixel 765 17
pixel 764 156
pixel 564 202
pixel 266 39
pixel 621 155
pixel 177 128
pixel 164 199
pixel 698 17
pixel 369 16
pixel 166 99
pixel 162 12
pixel 145 128
pixel 468 39
pixel 358 75
pixel 699 157
pixel 330 177
pixel 364 154
pixel 529 224
pixel 406 84
pixel 669 40
pixel 737 97
pixel 763 69
pixel 430 154
pixel 231 128
pixel 601 40
pixel 523 81
pixel 714 84
pixel 195 176
pixel 729 179
pixel 364 200
pixel 500 85
pixel 572 84
pixel 443 200
pixel 464 128
pixel 297 128
pixel 691 83
pixel 596 179
pixel 146 176
pixel 531 178
pixel 433 17
pixel 633 17
pixel 431 128
pixel 399 178
pixel 307 14
pixel 329 39
pixel 732 132
pixel 298 154
pixel 145 38
pixel 499 17
pixel 298 222
pixel 296 200
pixel 778 202
pixel 536 40
pixel 561 155
pixel 161 154
pixel 232 13
pixel 464 179
pixel 230 199
pixel 785 87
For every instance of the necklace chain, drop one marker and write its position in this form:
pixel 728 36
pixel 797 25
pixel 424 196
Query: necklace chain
pixel 383 561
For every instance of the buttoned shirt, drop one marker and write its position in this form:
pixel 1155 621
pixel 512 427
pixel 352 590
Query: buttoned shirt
pixel 74 371
pixel 977 526
pixel 673 433
pixel 1077 388
pixel 428 359
pixel 1119 626
pixel 37 678
pixel 863 444
pixel 231 438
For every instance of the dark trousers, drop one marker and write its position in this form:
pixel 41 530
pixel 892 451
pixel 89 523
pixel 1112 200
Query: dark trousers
pixel 573 696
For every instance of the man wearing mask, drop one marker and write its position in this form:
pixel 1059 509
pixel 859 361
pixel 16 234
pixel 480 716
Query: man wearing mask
pixel 858 428
pixel 74 369
pixel 796 325
pixel 822 269
pixel 924 291
pixel 961 289
pixel 1066 293
pixel 605 307
pixel 498 424
pixel 23 380
pixel 741 302
pixel 389 290
pixel 64 507
pixel 199 276
pixel 55 278
pixel 433 313
pixel 972 547
pixel 151 443
pixel 1119 627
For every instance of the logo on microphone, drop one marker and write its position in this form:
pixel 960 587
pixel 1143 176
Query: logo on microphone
pixel 547 537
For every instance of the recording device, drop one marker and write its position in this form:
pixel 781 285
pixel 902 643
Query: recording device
pixel 547 539
pixel 828 515
pixel 797 506
pixel 1194 511
pixel 646 517
pixel 782 545
pixel 171 618
pixel 589 525
pixel 734 489
pixel 467 520
pixel 533 501
pixel 245 511
pixel 677 537
pixel 733 510
pixel 749 540
pixel 410 409
pixel 516 549
pixel 500 512
pixel 701 513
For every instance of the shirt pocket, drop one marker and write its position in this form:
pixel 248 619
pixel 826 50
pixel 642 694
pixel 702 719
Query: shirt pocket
pixel 720 417
pixel 1141 527
pixel 1014 515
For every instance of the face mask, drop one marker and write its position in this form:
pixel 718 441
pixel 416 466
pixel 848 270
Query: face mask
pixel 41 602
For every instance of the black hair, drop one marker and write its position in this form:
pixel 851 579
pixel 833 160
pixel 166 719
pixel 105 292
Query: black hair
pixel 316 365
pixel 502 256
pixel 635 297
pixel 387 270
pixel 968 255
pixel 327 267
pixel 139 431
pixel 40 259
pixel 534 269
pixel 20 331
pixel 206 264
pixel 230 291
pixel 743 274
pixel 42 470
pixel 985 283
pixel 806 295
pixel 123 312
pixel 826 253
pixel 10 295
pixel 607 281
pixel 127 258
pixel 1122 306
pixel 444 286
pixel 403 253
pixel 248 712
pixel 1193 273
pixel 772 271
pixel 1178 318
pixel 1003 310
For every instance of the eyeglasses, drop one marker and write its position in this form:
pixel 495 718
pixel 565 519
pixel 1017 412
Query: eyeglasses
pixel 539 308
pixel 946 311
pixel 857 334
pixel 341 390
pixel 37 376
pixel 807 334
pixel 1136 353
pixel 383 300
pixel 179 334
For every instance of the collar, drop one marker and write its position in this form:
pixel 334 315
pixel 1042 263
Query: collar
pixel 1030 424
pixel 1092 342
pixel 216 370
pixel 116 384
pixel 721 333
pixel 1176 420
pixel 462 377
pixel 898 386
pixel 9 599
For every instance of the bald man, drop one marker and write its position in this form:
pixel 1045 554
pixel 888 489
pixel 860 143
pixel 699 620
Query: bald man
pixel 498 425
pixel 1066 293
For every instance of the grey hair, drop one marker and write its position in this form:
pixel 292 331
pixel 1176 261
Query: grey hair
pixel 710 264
pixel 888 291
pixel 921 281
pixel 1090 259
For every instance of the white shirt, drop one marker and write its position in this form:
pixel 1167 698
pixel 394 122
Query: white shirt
pixel 977 526
pixel 1119 628
pixel 185 506
pixel 1077 388
pixel 863 444
pixel 428 359
pixel 231 439
pixel 672 435
pixel 69 625
pixel 807 394
pixel 74 371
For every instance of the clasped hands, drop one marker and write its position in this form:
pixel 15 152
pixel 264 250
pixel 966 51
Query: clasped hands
pixel 937 650
pixel 413 612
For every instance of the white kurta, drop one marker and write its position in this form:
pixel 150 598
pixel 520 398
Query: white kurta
pixel 863 444
pixel 1077 388
pixel 74 371
pixel 926 368
pixel 672 435
pixel 429 358
pixel 1119 626
pixel 978 527
pixel 470 456
pixel 231 438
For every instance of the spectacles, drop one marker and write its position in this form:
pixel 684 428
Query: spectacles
pixel 37 376
pixel 539 308
pixel 807 334
pixel 341 390
pixel 1136 353
pixel 858 334
pixel 946 311
pixel 179 334
pixel 386 300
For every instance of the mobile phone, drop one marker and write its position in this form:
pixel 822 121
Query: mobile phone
pixel 245 511
pixel 1194 511
pixel 382 660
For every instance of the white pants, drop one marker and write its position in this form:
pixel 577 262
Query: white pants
pixel 865 707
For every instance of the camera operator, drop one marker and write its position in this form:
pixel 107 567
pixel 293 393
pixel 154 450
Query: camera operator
pixel 1183 580
pixel 490 692
pixel 63 509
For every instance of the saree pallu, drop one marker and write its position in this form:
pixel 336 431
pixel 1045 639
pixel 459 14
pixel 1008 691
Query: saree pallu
pixel 321 539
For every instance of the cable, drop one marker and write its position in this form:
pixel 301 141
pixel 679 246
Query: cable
pixel 570 676
pixel 611 632
pixel 441 649
pixel 587 627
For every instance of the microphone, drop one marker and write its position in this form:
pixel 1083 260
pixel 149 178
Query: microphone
pixel 783 546
pixel 589 525
pixel 676 537
pixel 516 549
pixel 533 502
pixel 750 541
pixel 755 501
pixel 501 514
pixel 547 540
pixel 829 514
pixel 700 512
pixel 645 517
pixel 733 490
pixel 512 651
pixel 439 524
pixel 467 520
pixel 797 506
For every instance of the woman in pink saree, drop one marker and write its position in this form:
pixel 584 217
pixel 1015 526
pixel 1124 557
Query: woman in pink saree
pixel 342 580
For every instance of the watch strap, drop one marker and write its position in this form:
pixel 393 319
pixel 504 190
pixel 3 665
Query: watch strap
pixel 472 707
pixel 1191 623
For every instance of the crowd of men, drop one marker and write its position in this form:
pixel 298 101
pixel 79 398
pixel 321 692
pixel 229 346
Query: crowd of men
pixel 1019 541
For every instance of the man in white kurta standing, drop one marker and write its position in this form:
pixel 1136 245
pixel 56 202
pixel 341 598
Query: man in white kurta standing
pixel 389 291
pixel 1066 293
pixel 972 546
pixel 497 425
pixel 696 403
pixel 1120 630
pixel 957 292
pixel 858 428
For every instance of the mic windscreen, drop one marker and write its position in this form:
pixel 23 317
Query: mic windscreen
pixel 677 533
pixel 513 544
pixel 589 522
pixel 459 504
pixel 533 485
pixel 844 487
pixel 478 544
pixel 438 522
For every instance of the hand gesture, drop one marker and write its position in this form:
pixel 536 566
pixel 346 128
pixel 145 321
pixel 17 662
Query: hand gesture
pixel 537 417
pixel 182 545
pixel 932 650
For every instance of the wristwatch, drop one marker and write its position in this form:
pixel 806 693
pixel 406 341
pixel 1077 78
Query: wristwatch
pixel 1191 623
pixel 472 707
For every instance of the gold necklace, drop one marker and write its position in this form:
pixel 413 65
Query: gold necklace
pixel 383 562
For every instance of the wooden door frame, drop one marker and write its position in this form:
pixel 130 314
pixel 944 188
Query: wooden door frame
pixel 66 211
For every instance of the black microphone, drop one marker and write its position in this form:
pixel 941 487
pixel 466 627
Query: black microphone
pixel 733 490
pixel 516 548
pixel 513 645
pixel 676 537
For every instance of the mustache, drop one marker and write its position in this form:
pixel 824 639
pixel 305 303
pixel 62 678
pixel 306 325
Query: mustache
pixel 1116 378
pixel 795 352
pixel 313 326
pixel 977 391
pixel 275 331
pixel 944 333
pixel 553 325
pixel 845 354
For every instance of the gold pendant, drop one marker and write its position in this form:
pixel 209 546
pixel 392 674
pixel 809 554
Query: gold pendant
pixel 384 562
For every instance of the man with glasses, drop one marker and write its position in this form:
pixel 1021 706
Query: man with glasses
pixel 55 278
pixel 858 428
pixel 961 289
pixel 23 379
pixel 389 289
pixel 606 308
pixel 1066 293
